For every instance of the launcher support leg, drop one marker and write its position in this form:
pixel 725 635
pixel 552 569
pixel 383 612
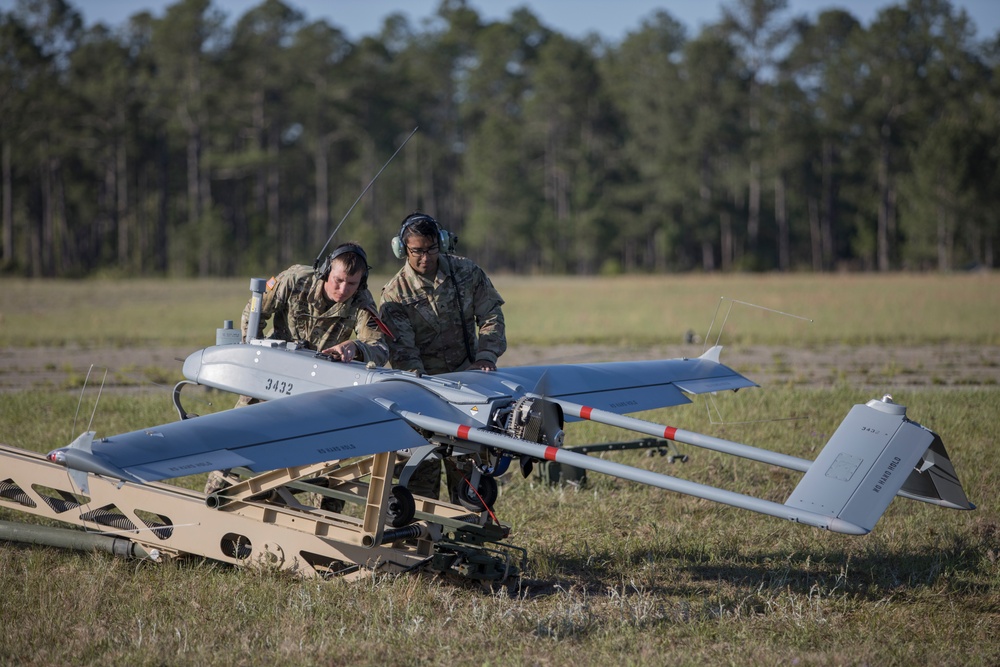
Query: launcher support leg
pixel 378 499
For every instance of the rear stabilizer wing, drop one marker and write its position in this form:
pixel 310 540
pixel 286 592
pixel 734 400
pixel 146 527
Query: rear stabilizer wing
pixel 875 453
pixel 934 480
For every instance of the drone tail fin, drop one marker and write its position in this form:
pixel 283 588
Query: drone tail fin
pixel 83 443
pixel 935 481
pixel 874 453
pixel 79 459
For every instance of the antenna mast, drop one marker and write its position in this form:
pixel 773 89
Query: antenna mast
pixel 363 192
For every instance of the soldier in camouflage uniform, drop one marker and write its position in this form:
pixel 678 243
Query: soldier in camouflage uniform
pixel 320 308
pixel 445 316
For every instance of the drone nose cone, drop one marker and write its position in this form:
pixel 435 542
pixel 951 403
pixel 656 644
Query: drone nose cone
pixel 192 365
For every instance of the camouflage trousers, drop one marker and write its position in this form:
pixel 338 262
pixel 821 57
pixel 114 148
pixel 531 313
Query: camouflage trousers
pixel 218 480
pixel 426 479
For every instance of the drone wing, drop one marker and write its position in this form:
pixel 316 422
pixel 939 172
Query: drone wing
pixel 351 421
pixel 298 430
pixel 625 386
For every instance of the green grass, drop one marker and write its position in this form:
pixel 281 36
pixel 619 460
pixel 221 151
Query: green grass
pixel 642 310
pixel 897 309
pixel 117 313
pixel 618 573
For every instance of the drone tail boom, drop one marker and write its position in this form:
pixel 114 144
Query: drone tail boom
pixel 875 453
pixel 666 482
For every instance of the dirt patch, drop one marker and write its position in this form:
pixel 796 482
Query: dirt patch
pixel 68 367
pixel 945 365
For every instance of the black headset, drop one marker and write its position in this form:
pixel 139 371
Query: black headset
pixel 323 271
pixel 446 241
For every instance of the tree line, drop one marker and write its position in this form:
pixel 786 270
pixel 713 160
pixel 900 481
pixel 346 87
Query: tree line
pixel 197 144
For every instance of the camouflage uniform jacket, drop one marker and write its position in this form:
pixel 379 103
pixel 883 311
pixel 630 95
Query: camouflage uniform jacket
pixel 432 325
pixel 302 312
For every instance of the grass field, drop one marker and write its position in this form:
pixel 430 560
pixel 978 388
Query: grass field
pixel 618 573
pixel 627 311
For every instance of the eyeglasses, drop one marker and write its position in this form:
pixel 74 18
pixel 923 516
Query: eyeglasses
pixel 420 252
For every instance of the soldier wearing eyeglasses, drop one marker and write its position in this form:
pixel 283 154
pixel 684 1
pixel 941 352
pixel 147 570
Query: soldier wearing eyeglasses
pixel 445 316
pixel 442 309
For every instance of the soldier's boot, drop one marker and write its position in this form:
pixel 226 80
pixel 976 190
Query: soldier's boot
pixel 332 505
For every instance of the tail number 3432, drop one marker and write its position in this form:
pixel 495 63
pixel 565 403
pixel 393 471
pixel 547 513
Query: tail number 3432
pixel 278 386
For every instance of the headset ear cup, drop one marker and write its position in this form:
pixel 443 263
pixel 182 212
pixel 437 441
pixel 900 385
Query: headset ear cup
pixel 397 248
pixel 446 241
pixel 324 269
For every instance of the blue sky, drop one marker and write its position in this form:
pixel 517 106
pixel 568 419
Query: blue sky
pixel 611 18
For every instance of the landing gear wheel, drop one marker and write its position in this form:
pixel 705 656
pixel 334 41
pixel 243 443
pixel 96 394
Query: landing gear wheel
pixel 484 499
pixel 402 508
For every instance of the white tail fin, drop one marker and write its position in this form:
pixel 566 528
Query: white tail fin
pixel 712 354
pixel 868 459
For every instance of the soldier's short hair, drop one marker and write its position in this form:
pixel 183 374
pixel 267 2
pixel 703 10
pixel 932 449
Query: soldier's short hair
pixel 351 256
pixel 419 224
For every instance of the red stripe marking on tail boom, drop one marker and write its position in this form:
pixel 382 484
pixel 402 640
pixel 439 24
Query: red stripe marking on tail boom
pixel 585 412
pixel 550 453
pixel 463 431
pixel 669 432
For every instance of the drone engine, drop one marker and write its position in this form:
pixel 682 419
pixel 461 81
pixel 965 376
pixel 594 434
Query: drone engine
pixel 535 420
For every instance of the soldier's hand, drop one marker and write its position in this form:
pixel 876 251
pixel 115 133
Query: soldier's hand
pixel 346 351
pixel 484 365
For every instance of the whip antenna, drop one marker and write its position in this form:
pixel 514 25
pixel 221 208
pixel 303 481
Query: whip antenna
pixel 367 188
